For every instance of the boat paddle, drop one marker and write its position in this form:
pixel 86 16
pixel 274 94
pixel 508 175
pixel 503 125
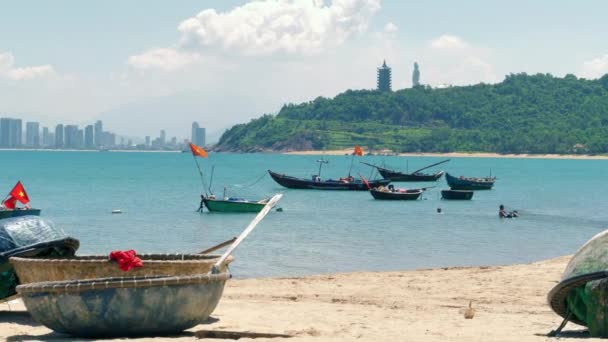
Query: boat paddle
pixel 218 246
pixel 249 229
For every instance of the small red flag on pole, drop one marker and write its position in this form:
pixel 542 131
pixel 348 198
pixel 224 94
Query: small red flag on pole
pixel 198 151
pixel 19 193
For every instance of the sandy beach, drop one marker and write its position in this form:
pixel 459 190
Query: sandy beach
pixel 456 154
pixel 421 305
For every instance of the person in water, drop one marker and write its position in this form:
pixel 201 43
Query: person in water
pixel 502 213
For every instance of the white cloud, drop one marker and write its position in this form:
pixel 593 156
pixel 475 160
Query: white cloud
pixel 448 42
pixel 290 26
pixel 595 68
pixel 390 28
pixel 165 59
pixel 8 69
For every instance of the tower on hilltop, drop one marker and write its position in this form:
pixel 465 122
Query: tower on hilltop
pixel 384 78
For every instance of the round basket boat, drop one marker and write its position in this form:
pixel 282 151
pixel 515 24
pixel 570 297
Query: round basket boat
pixel 125 306
pixel 33 270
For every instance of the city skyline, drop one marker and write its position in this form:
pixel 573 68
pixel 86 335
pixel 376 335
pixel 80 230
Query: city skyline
pixel 13 134
pixel 185 62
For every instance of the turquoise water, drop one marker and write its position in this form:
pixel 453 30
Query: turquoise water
pixel 562 202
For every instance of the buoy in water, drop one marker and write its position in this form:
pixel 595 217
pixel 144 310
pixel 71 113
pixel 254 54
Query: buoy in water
pixel 116 211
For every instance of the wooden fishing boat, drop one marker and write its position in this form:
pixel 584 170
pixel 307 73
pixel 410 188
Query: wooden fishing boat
pixel 416 176
pixel 349 183
pixel 6 213
pixel 390 193
pixel 28 236
pixel 456 194
pixel 124 306
pixel 462 183
pixel 233 205
pixel 53 268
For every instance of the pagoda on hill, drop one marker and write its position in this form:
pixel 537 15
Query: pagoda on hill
pixel 384 78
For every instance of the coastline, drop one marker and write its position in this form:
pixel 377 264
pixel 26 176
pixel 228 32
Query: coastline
pixel 458 154
pixel 420 305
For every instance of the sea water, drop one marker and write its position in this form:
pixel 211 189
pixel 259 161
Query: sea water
pixel 562 204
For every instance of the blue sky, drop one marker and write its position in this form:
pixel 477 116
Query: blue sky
pixel 146 65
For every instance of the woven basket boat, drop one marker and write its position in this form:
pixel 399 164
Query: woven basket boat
pixel 33 270
pixel 124 306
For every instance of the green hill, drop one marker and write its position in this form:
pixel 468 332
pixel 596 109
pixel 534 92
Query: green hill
pixel 523 114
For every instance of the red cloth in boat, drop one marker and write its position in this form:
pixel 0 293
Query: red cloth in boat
pixel 126 259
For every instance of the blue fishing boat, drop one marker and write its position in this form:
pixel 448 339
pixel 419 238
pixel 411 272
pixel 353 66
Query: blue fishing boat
pixel 471 183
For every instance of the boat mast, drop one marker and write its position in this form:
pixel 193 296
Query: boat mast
pixel 321 162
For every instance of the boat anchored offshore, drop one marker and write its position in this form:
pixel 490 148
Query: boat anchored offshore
pixel 457 194
pixel 471 183
pixel 416 176
pixel 390 193
pixel 232 204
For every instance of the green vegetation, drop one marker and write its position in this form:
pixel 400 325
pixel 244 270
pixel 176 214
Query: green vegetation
pixel 523 114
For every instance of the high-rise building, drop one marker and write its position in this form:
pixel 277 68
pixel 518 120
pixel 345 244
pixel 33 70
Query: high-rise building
pixel 89 141
pixel 32 134
pixel 384 78
pixel 163 137
pixel 16 133
pixel 109 139
pixel 194 132
pixel 198 134
pixel 79 138
pixel 147 141
pixel 5 132
pixel 46 137
pixel 98 133
pixel 59 136
pixel 71 136
pixel 51 139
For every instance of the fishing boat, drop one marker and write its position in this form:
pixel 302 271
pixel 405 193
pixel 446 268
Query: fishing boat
pixel 232 204
pixel 456 194
pixel 462 183
pixel 348 183
pixel 6 213
pixel 28 236
pixel 390 193
pixel 125 306
pixel 416 176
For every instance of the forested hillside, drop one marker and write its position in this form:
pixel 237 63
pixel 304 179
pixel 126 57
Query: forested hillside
pixel 523 114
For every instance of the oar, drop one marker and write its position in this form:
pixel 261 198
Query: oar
pixel 218 246
pixel 426 167
pixel 249 229
pixel 428 187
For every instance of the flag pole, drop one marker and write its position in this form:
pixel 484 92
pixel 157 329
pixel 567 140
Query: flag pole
pixel 352 160
pixel 200 172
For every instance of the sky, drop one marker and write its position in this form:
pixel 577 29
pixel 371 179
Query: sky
pixel 145 65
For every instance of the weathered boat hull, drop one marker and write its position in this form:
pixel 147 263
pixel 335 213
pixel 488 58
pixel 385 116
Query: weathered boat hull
pixel 457 194
pixel 456 183
pixel 6 213
pixel 396 176
pixel 124 307
pixel 225 206
pixel 301 183
pixel 40 269
pixel 412 195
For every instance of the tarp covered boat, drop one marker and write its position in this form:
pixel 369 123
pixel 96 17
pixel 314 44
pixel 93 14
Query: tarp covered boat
pixel 471 183
pixel 582 294
pixel 29 236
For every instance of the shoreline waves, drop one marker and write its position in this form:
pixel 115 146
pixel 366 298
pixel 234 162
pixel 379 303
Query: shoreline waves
pixel 420 305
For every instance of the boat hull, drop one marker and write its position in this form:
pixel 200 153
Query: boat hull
pixel 301 183
pixel 126 306
pixel 396 176
pixel 456 183
pixel 457 194
pixel 411 195
pixel 224 206
pixel 6 213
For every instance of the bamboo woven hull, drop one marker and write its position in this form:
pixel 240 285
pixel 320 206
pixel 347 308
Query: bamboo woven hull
pixel 33 270
pixel 124 307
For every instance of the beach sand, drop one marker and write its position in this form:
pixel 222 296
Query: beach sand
pixel 421 305
pixel 456 154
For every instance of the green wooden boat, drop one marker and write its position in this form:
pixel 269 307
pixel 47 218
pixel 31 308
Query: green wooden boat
pixel 233 205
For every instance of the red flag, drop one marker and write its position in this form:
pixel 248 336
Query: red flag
pixel 358 151
pixel 10 203
pixel 198 151
pixel 19 193
pixel 365 181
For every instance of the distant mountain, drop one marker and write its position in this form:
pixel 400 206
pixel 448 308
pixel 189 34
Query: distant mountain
pixel 523 114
